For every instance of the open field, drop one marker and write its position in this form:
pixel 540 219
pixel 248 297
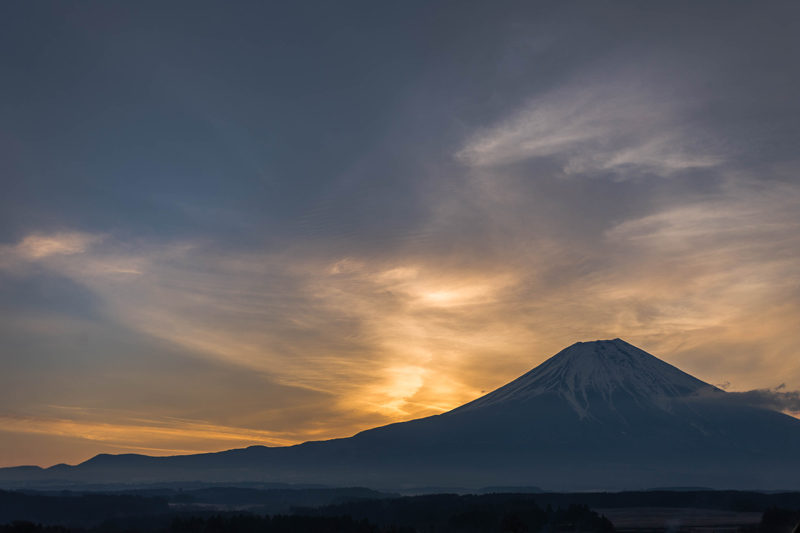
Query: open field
pixel 678 519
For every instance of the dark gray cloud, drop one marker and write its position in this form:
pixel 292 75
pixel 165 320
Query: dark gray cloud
pixel 774 399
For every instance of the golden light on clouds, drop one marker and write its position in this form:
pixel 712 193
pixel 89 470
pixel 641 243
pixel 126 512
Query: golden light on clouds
pixel 709 286
pixel 171 436
pixel 388 342
pixel 38 246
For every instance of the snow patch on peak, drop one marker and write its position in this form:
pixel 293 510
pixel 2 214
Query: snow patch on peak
pixel 604 369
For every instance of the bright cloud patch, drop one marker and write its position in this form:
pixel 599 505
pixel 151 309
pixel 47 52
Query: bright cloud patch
pixel 602 127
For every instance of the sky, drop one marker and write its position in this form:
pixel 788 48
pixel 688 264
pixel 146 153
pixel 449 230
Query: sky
pixel 226 224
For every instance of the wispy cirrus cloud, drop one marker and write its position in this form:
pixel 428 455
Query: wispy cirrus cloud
pixel 622 127
pixel 374 336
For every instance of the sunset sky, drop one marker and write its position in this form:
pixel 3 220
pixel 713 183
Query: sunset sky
pixel 225 224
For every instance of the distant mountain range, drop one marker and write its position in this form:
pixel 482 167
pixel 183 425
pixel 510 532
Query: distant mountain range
pixel 598 415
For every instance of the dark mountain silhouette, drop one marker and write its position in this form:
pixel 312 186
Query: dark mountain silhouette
pixel 597 415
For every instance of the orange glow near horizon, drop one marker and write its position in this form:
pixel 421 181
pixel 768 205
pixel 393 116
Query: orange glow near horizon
pixel 356 344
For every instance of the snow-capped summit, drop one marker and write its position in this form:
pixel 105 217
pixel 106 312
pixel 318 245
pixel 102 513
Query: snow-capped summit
pixel 602 370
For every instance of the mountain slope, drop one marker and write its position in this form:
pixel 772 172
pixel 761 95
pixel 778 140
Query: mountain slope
pixel 600 369
pixel 597 415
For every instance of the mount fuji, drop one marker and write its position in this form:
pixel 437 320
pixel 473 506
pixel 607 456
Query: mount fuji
pixel 597 415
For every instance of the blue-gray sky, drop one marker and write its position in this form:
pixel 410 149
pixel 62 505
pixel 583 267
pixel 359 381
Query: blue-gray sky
pixel 225 224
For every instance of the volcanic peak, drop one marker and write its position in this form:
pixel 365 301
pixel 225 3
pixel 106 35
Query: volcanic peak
pixel 599 370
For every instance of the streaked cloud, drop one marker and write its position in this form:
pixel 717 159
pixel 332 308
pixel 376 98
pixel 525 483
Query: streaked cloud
pixel 611 125
pixel 146 435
